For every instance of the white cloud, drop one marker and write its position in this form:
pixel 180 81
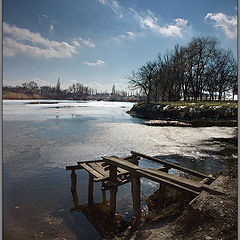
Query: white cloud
pixel 227 23
pixel 149 21
pixel 97 63
pixel 21 40
pixel 181 22
pixel 75 43
pixel 113 4
pixel 126 35
pixel 83 42
pixel 86 42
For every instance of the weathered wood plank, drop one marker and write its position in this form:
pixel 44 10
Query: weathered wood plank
pixel 91 170
pixel 168 183
pixel 121 171
pixel 119 162
pixel 133 168
pixel 90 161
pixel 187 170
pixel 74 167
pixel 97 167
pixel 176 179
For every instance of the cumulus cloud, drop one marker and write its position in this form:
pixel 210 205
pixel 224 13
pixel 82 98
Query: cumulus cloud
pixel 227 23
pixel 21 40
pixel 114 5
pixel 149 21
pixel 97 63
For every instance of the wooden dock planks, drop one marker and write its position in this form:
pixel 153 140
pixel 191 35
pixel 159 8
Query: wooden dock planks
pixel 159 176
pixel 175 166
pixel 97 170
pixel 113 171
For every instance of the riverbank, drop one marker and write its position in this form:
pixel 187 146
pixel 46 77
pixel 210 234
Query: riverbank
pixel 200 114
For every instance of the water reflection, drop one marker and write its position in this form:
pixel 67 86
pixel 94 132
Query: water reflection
pixel 98 214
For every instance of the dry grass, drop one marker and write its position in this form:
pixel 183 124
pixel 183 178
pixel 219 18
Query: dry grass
pixel 19 96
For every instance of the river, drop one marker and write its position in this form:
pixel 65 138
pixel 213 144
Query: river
pixel 40 140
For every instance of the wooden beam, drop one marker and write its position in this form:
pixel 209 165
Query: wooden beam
pixel 176 179
pixel 90 161
pixel 135 188
pixel 74 167
pixel 73 181
pixel 90 189
pixel 97 167
pixel 91 170
pixel 168 183
pixel 119 162
pixel 171 165
pixel 113 189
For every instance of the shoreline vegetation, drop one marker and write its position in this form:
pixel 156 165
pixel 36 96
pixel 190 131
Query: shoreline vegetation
pixel 195 114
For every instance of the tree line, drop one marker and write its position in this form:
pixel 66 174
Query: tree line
pixel 31 89
pixel 198 71
pixel 77 91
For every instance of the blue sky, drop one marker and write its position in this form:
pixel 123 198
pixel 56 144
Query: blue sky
pixel 99 42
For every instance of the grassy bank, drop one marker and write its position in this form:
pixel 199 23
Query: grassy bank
pixel 198 114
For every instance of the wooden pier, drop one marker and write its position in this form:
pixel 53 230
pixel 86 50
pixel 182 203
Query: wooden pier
pixel 113 171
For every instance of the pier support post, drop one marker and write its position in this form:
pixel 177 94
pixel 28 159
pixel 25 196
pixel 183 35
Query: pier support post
pixel 73 181
pixel 90 189
pixel 113 189
pixel 135 188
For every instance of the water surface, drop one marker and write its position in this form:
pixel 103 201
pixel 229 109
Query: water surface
pixel 39 140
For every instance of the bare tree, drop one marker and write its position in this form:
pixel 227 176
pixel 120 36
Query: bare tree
pixel 144 79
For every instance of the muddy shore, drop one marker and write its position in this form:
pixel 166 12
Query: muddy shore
pixel 207 216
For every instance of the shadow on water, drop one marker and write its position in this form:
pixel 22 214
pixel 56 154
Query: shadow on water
pixel 98 214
